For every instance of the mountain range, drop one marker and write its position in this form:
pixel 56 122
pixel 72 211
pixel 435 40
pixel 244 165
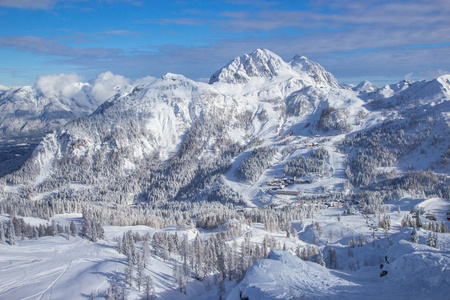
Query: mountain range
pixel 257 96
pixel 269 154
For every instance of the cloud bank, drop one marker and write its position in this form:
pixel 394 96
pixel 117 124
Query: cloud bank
pixel 90 94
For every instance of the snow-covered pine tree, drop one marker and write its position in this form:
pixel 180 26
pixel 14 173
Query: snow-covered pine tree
pixel 73 228
pixel 145 252
pixel 140 272
pixel 414 237
pixel 221 289
pixel 432 240
pixel 179 275
pixel 2 233
pixel 11 233
pixel 198 259
pixel 129 270
pixel 331 259
pixel 149 288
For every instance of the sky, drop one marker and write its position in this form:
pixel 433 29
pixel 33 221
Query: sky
pixel 376 40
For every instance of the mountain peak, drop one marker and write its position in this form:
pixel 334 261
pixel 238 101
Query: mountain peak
pixel 321 77
pixel 259 63
pixel 365 86
pixel 444 80
pixel 173 77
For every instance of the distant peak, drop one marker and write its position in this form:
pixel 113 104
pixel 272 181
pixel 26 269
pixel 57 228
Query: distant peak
pixel 444 78
pixel 173 77
pixel 365 86
pixel 302 65
pixel 298 57
pixel 364 83
pixel 260 53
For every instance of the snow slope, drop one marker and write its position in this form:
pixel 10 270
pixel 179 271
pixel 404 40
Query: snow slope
pixel 285 276
pixel 56 268
pixel 413 272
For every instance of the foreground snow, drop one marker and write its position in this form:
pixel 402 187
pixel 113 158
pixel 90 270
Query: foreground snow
pixel 285 276
pixel 57 268
pixel 414 272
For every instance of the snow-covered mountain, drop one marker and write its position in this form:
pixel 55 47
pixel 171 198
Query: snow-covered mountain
pixel 256 97
pixel 259 63
pixel 26 110
pixel 365 87
pixel 263 63
pixel 409 93
pixel 54 100
pixel 269 155
pixel 154 120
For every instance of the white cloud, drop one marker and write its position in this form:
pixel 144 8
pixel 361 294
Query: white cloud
pixel 107 85
pixel 64 86
pixel 70 88
pixel 144 80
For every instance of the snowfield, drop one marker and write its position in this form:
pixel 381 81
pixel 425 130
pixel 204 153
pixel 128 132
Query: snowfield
pixel 285 276
pixel 57 268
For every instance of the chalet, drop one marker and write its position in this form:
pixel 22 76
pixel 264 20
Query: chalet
pixel 303 181
pixel 274 183
pixel 331 204
pixel 287 192
pixel 430 217
pixel 281 183
pixel 309 145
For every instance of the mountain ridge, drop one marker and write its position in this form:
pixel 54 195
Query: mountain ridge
pixel 175 121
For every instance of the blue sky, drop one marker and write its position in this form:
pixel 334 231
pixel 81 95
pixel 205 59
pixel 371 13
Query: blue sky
pixel 381 41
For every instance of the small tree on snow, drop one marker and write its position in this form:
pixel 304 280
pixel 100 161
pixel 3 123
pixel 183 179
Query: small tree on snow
pixel 11 234
pixel 145 253
pixel 352 242
pixel 149 288
pixel 432 240
pixel 129 272
pixel 140 272
pixel 331 259
pixel 2 233
pixel 180 275
pixel 67 231
pixel 221 288
pixel 73 228
pixel 115 292
pixel 360 240
pixel 414 237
